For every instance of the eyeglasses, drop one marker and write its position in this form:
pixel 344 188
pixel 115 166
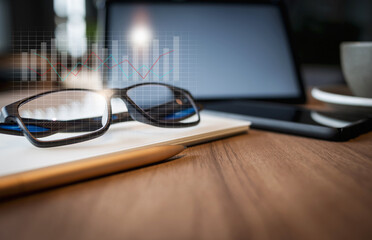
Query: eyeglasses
pixel 70 116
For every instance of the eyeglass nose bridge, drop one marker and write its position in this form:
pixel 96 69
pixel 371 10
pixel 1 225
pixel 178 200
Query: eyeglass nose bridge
pixel 137 114
pixel 134 111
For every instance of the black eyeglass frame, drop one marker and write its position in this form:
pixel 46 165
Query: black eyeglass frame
pixel 10 114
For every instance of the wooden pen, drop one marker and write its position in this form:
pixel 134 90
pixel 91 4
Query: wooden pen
pixel 66 173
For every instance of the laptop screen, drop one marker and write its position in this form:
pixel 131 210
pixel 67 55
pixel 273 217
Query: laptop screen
pixel 216 51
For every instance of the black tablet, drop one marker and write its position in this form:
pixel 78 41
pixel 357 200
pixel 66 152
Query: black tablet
pixel 215 49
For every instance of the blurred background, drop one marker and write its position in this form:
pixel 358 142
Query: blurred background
pixel 318 28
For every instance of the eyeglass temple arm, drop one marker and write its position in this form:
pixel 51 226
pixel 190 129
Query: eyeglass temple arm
pixel 87 124
pixel 11 129
pixel 49 127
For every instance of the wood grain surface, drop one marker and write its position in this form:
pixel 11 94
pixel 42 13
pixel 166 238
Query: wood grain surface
pixel 259 185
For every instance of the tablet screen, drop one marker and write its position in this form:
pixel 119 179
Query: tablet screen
pixel 213 50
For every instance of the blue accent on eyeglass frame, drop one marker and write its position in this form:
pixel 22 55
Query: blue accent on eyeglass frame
pixel 180 114
pixel 31 128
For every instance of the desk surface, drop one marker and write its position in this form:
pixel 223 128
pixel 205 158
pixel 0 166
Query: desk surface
pixel 260 185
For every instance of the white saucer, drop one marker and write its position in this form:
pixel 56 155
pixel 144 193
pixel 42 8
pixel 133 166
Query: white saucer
pixel 342 99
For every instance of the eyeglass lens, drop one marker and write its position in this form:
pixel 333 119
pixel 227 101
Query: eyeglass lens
pixel 64 114
pixel 164 104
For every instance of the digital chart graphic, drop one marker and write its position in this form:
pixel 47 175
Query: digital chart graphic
pixel 108 60
pixel 112 59
pixel 79 66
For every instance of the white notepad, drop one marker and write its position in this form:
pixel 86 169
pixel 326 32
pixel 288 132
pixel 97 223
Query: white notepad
pixel 17 154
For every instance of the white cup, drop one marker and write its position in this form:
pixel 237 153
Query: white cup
pixel 356 62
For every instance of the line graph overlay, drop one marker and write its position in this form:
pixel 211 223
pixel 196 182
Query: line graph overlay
pixel 103 62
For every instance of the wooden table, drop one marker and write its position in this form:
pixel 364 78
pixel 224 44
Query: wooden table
pixel 260 185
